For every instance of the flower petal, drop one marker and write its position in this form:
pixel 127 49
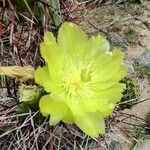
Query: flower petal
pixel 55 118
pixel 100 86
pixel 50 105
pixel 96 46
pixel 105 100
pixel 106 63
pixel 90 123
pixel 42 75
pixel 113 93
pixel 48 47
pixel 52 54
pixel 115 65
pixel 71 38
pixel 100 105
pixel 106 108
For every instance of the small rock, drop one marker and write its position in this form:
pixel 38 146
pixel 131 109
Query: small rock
pixel 114 145
pixel 117 41
pixel 144 58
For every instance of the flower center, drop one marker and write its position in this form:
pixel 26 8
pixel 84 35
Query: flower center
pixel 85 76
pixel 74 86
pixel 75 82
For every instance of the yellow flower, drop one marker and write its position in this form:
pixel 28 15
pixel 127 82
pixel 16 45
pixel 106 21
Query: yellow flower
pixel 82 77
